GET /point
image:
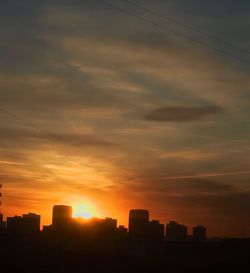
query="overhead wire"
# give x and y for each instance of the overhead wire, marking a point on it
(187, 26)
(175, 32)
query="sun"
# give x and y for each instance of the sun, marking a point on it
(83, 211)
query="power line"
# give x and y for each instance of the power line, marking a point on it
(187, 26)
(175, 32)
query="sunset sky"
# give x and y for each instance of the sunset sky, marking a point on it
(111, 107)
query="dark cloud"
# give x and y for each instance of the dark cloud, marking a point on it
(8, 135)
(183, 113)
(190, 186)
(76, 140)
(209, 186)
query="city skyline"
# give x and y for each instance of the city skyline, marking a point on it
(108, 105)
(140, 225)
(100, 244)
(76, 217)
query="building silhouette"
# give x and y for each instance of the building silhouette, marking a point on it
(140, 226)
(2, 223)
(156, 230)
(122, 230)
(31, 222)
(199, 233)
(61, 216)
(103, 226)
(14, 224)
(26, 224)
(138, 222)
(176, 232)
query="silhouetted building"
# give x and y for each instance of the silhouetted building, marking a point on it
(138, 222)
(47, 228)
(28, 223)
(62, 216)
(140, 226)
(199, 233)
(156, 230)
(122, 230)
(14, 224)
(176, 232)
(110, 224)
(2, 223)
(104, 225)
(31, 222)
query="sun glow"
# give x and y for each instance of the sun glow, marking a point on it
(83, 211)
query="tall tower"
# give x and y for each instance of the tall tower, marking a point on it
(199, 233)
(138, 222)
(176, 232)
(1, 215)
(2, 223)
(62, 215)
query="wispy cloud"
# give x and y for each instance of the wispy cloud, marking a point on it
(165, 178)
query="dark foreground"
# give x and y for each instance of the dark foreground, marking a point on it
(45, 253)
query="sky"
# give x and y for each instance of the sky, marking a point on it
(111, 105)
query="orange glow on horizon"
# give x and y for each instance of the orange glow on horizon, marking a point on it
(86, 211)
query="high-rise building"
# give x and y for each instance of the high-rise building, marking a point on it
(138, 222)
(176, 232)
(2, 223)
(140, 226)
(62, 216)
(103, 226)
(156, 230)
(31, 222)
(26, 224)
(109, 224)
(122, 230)
(199, 233)
(14, 224)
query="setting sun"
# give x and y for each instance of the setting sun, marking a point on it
(83, 211)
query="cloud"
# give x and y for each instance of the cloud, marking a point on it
(187, 186)
(190, 155)
(183, 113)
(209, 186)
(70, 139)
